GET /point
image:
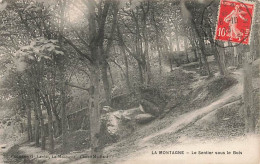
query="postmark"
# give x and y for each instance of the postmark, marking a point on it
(234, 21)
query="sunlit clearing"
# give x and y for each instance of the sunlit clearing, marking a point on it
(74, 14)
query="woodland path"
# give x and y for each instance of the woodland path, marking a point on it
(189, 118)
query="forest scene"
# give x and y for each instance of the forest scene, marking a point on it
(109, 81)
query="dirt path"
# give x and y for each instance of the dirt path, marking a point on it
(184, 120)
(187, 118)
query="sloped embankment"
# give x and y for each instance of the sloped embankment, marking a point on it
(210, 127)
(180, 117)
(188, 118)
(166, 130)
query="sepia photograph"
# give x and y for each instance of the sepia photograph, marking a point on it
(129, 81)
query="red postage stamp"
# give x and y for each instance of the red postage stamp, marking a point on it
(234, 21)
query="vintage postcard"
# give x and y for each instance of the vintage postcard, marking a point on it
(129, 81)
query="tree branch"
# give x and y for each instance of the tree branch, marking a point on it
(77, 49)
(110, 39)
(75, 86)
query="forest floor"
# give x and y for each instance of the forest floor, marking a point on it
(208, 123)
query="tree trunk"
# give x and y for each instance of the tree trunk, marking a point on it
(122, 48)
(58, 122)
(236, 63)
(170, 54)
(157, 41)
(37, 127)
(203, 53)
(217, 56)
(43, 139)
(105, 81)
(64, 122)
(199, 54)
(37, 132)
(158, 50)
(29, 118)
(147, 69)
(249, 110)
(142, 59)
(202, 46)
(204, 56)
(147, 66)
(50, 128)
(200, 60)
(29, 124)
(160, 58)
(177, 39)
(249, 107)
(220, 58)
(94, 110)
(127, 72)
(111, 76)
(186, 50)
(145, 54)
(140, 72)
(144, 72)
(193, 44)
(63, 115)
(218, 53)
